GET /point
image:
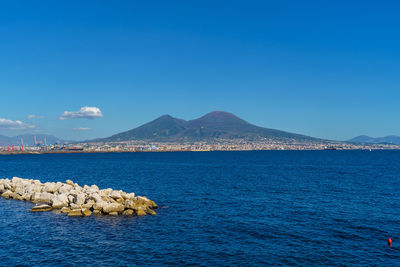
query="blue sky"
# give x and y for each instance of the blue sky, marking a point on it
(325, 69)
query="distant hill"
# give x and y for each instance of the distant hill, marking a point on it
(217, 124)
(29, 139)
(391, 139)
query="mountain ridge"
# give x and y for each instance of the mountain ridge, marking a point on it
(390, 139)
(213, 125)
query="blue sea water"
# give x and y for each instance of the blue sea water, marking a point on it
(307, 208)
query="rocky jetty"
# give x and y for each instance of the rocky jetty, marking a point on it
(71, 198)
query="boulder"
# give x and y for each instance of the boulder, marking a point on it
(96, 197)
(99, 205)
(28, 188)
(140, 212)
(65, 210)
(141, 202)
(105, 192)
(71, 198)
(86, 212)
(96, 211)
(80, 199)
(26, 196)
(69, 182)
(73, 192)
(41, 207)
(116, 195)
(128, 212)
(113, 207)
(95, 188)
(7, 184)
(51, 187)
(65, 189)
(151, 212)
(78, 188)
(59, 201)
(9, 194)
(87, 206)
(75, 213)
(42, 197)
(130, 196)
(16, 180)
(19, 189)
(113, 213)
(74, 206)
(90, 201)
(36, 188)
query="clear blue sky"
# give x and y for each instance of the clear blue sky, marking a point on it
(328, 69)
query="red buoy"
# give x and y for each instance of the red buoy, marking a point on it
(389, 242)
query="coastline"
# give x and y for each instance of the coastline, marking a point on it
(162, 151)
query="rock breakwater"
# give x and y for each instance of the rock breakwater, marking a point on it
(75, 200)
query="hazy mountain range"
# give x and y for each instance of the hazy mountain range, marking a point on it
(217, 124)
(29, 139)
(391, 139)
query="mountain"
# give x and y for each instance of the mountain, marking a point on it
(29, 139)
(391, 139)
(217, 124)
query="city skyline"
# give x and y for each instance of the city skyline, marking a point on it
(83, 71)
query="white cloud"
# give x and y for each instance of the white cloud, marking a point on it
(83, 113)
(14, 125)
(33, 116)
(82, 129)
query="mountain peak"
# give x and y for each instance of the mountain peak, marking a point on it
(165, 117)
(219, 119)
(219, 115)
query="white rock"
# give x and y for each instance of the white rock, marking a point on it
(115, 195)
(65, 188)
(99, 205)
(130, 196)
(113, 207)
(105, 192)
(95, 187)
(26, 196)
(80, 199)
(75, 206)
(8, 194)
(42, 197)
(87, 205)
(19, 189)
(59, 201)
(17, 180)
(71, 198)
(36, 188)
(96, 197)
(7, 184)
(51, 187)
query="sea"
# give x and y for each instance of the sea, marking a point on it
(257, 208)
